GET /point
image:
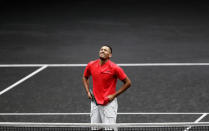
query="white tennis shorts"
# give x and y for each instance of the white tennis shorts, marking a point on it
(104, 114)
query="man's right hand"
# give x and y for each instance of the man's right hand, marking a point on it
(89, 95)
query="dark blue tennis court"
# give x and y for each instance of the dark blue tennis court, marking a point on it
(72, 33)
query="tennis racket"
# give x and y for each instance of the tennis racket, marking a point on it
(93, 98)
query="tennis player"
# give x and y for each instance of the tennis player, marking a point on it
(104, 95)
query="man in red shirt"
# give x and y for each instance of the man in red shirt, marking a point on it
(104, 75)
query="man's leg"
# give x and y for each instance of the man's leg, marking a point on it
(109, 114)
(95, 116)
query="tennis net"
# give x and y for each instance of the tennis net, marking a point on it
(28, 126)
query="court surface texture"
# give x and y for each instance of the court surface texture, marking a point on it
(163, 46)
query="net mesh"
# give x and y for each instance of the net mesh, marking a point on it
(14, 126)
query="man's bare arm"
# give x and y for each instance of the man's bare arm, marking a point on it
(86, 86)
(125, 86)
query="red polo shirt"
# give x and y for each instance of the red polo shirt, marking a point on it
(104, 79)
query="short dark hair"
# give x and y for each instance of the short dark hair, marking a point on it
(108, 47)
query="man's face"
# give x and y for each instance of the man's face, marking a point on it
(105, 53)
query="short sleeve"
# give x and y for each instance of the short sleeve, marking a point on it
(87, 71)
(120, 73)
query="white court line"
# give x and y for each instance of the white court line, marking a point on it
(23, 79)
(119, 113)
(160, 113)
(120, 64)
(46, 124)
(197, 121)
(40, 65)
(201, 117)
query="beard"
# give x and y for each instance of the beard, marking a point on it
(102, 58)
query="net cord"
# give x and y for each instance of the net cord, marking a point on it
(103, 125)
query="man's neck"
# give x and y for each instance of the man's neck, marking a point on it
(103, 61)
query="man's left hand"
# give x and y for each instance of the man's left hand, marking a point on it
(111, 97)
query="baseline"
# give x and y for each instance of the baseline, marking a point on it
(120, 64)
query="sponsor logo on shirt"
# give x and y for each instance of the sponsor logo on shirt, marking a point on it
(108, 72)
